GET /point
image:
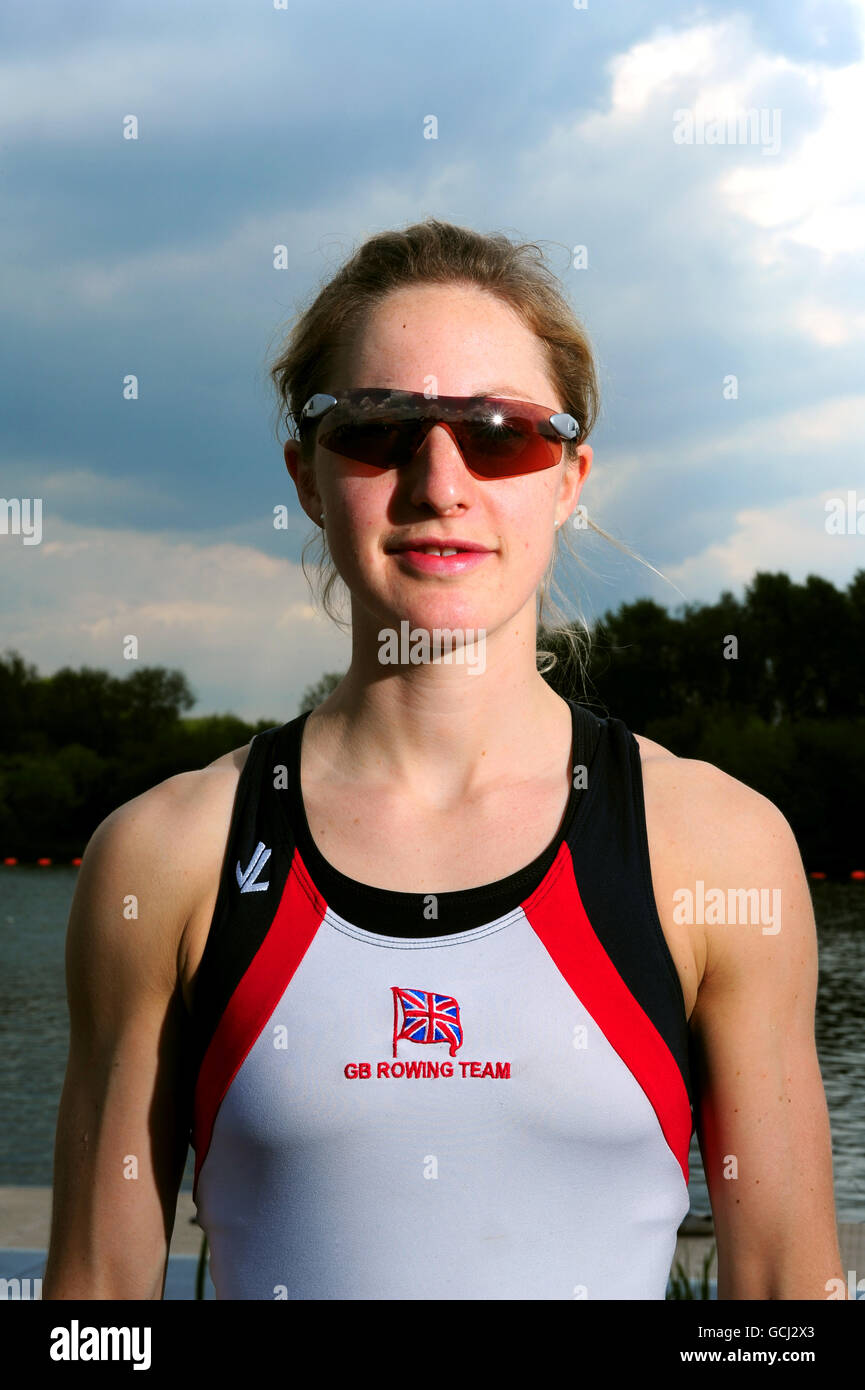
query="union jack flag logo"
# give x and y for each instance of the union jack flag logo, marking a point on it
(426, 1018)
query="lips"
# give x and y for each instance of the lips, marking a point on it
(439, 558)
(433, 545)
(441, 551)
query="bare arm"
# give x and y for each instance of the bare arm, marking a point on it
(762, 1120)
(123, 1121)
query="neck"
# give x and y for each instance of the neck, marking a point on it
(441, 729)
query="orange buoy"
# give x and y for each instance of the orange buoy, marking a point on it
(858, 875)
(43, 862)
(10, 861)
(76, 862)
(816, 873)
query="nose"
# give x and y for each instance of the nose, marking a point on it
(437, 474)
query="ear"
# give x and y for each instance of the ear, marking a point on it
(572, 483)
(303, 477)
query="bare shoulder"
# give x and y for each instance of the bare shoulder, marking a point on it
(698, 798)
(165, 848)
(176, 817)
(710, 833)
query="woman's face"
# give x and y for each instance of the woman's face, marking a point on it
(447, 340)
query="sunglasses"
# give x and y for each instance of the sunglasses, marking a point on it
(497, 438)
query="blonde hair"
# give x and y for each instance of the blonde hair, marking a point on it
(434, 252)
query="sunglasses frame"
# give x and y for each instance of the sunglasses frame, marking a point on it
(557, 425)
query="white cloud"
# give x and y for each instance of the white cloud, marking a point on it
(793, 443)
(814, 194)
(793, 213)
(815, 197)
(827, 325)
(658, 65)
(791, 536)
(241, 624)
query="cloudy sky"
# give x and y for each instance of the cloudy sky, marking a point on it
(302, 124)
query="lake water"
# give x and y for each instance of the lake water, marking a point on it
(34, 906)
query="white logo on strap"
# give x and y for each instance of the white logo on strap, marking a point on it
(248, 878)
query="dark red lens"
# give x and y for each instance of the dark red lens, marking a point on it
(497, 438)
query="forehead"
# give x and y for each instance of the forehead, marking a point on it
(455, 339)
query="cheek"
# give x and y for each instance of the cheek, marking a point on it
(538, 551)
(528, 522)
(359, 515)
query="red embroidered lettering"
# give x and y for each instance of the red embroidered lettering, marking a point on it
(415, 1069)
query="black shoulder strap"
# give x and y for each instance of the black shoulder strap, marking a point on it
(611, 863)
(254, 869)
(587, 734)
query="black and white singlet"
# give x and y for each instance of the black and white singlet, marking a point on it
(481, 1094)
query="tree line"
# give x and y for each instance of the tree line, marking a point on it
(770, 688)
(781, 708)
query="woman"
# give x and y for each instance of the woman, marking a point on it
(412, 968)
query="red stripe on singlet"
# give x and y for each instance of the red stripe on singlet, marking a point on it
(558, 917)
(269, 973)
